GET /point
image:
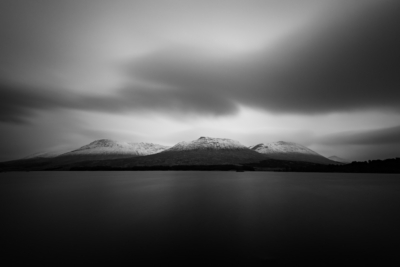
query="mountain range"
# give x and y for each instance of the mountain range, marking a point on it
(202, 151)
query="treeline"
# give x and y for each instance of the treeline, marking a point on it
(370, 166)
(168, 168)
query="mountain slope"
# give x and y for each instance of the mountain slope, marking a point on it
(44, 155)
(51, 153)
(290, 151)
(103, 149)
(109, 149)
(338, 159)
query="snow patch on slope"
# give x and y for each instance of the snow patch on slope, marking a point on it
(290, 151)
(208, 143)
(111, 147)
(283, 147)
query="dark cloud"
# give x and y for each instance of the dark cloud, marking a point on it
(19, 101)
(361, 145)
(349, 61)
(385, 136)
(172, 101)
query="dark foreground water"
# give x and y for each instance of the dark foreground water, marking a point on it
(221, 218)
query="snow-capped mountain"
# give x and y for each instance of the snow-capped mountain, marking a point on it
(106, 148)
(98, 150)
(290, 151)
(338, 159)
(203, 151)
(208, 143)
(282, 147)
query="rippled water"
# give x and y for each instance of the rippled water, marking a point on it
(250, 218)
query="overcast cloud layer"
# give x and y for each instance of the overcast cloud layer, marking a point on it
(200, 59)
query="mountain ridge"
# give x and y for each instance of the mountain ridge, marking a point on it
(208, 143)
(201, 151)
(110, 147)
(283, 150)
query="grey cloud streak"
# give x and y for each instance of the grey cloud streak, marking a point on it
(363, 145)
(385, 136)
(342, 63)
(18, 102)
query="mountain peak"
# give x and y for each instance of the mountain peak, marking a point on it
(290, 151)
(204, 138)
(208, 143)
(103, 142)
(287, 143)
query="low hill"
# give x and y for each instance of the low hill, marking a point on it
(338, 159)
(290, 151)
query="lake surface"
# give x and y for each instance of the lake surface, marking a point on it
(250, 218)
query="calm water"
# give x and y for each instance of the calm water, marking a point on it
(260, 218)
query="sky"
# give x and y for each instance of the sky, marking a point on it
(325, 74)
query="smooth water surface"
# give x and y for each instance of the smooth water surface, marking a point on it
(263, 218)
